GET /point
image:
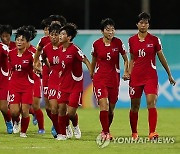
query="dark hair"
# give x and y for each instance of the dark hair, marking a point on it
(55, 27)
(33, 31)
(59, 18)
(71, 30)
(45, 23)
(6, 28)
(105, 22)
(143, 16)
(24, 32)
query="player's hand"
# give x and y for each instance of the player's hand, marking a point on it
(126, 76)
(172, 81)
(37, 67)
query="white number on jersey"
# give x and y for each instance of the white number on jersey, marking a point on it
(108, 56)
(18, 68)
(55, 60)
(141, 53)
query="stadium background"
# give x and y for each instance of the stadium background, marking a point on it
(87, 14)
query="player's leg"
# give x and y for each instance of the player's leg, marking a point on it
(135, 95)
(38, 114)
(151, 90)
(101, 95)
(7, 115)
(25, 119)
(5, 110)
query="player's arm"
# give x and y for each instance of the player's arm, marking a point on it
(37, 64)
(126, 65)
(164, 63)
(131, 63)
(93, 65)
(88, 64)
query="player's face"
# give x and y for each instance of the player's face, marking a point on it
(21, 42)
(5, 38)
(143, 25)
(54, 37)
(63, 37)
(46, 31)
(109, 32)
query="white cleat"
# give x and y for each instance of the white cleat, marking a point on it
(61, 137)
(16, 127)
(23, 135)
(69, 132)
(77, 132)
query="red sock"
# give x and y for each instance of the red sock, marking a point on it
(54, 118)
(74, 120)
(48, 113)
(104, 119)
(62, 124)
(40, 118)
(7, 116)
(111, 116)
(31, 111)
(152, 117)
(67, 120)
(133, 121)
(24, 124)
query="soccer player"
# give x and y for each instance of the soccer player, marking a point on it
(71, 80)
(4, 87)
(143, 48)
(51, 52)
(5, 35)
(38, 116)
(45, 70)
(105, 73)
(21, 83)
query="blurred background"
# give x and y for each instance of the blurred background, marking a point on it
(87, 14)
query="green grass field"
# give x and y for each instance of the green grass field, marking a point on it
(168, 126)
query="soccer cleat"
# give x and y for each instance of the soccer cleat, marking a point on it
(69, 132)
(135, 136)
(16, 127)
(153, 136)
(23, 135)
(34, 120)
(61, 137)
(77, 132)
(53, 132)
(9, 127)
(105, 136)
(41, 131)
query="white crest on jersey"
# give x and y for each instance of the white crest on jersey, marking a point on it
(152, 65)
(30, 80)
(77, 78)
(4, 73)
(5, 47)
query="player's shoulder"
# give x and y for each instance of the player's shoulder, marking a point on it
(74, 47)
(98, 41)
(151, 36)
(133, 37)
(116, 40)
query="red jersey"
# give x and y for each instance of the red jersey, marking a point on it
(144, 53)
(22, 71)
(45, 72)
(3, 65)
(52, 53)
(44, 41)
(71, 79)
(36, 77)
(107, 62)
